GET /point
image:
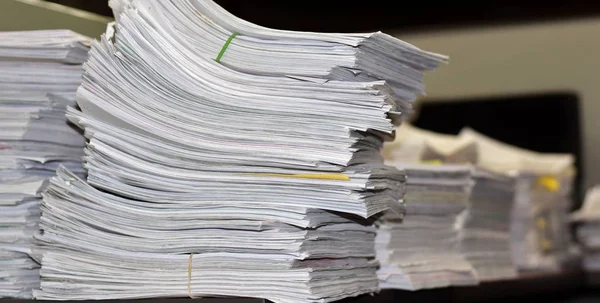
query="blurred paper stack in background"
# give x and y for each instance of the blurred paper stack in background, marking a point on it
(540, 231)
(587, 220)
(422, 250)
(41, 71)
(485, 240)
(540, 236)
(517, 192)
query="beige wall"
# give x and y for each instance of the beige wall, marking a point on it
(559, 56)
(35, 14)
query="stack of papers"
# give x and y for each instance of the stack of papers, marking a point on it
(227, 159)
(485, 239)
(204, 26)
(539, 227)
(587, 219)
(41, 71)
(540, 235)
(422, 250)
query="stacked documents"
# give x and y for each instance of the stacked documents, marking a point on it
(588, 229)
(486, 234)
(227, 159)
(540, 235)
(422, 250)
(41, 71)
(486, 237)
(204, 27)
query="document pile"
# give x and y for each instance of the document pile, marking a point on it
(244, 170)
(588, 229)
(539, 233)
(422, 250)
(41, 71)
(486, 236)
(540, 236)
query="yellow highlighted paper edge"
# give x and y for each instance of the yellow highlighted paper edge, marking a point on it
(549, 182)
(433, 162)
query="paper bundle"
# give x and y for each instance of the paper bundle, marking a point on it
(422, 250)
(540, 235)
(308, 56)
(41, 71)
(587, 219)
(227, 159)
(485, 239)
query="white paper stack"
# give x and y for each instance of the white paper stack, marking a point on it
(485, 239)
(422, 250)
(587, 219)
(41, 71)
(224, 165)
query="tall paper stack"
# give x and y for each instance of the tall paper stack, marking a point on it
(227, 159)
(422, 250)
(41, 71)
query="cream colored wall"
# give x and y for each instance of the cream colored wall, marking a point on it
(35, 14)
(560, 56)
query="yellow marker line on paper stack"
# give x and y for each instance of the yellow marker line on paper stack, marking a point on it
(433, 162)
